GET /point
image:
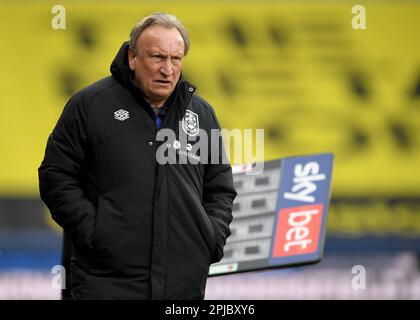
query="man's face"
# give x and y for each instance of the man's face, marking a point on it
(157, 62)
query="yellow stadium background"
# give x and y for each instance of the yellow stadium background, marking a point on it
(296, 69)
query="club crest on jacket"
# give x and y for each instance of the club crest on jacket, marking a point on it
(190, 123)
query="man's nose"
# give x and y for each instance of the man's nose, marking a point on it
(166, 68)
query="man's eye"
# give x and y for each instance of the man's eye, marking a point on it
(176, 59)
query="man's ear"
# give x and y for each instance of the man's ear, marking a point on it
(131, 56)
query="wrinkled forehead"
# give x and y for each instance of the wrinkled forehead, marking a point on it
(162, 39)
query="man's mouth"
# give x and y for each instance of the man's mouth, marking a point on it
(163, 81)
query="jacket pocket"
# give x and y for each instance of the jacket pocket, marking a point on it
(210, 235)
(97, 227)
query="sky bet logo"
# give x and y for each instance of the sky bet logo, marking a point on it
(302, 208)
(304, 182)
(298, 230)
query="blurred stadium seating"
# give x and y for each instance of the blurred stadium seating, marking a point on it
(295, 68)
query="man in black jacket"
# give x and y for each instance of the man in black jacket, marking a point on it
(134, 227)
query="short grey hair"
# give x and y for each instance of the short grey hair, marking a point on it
(162, 19)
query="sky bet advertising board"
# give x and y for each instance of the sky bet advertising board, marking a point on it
(279, 215)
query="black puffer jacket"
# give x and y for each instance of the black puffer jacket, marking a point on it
(134, 229)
